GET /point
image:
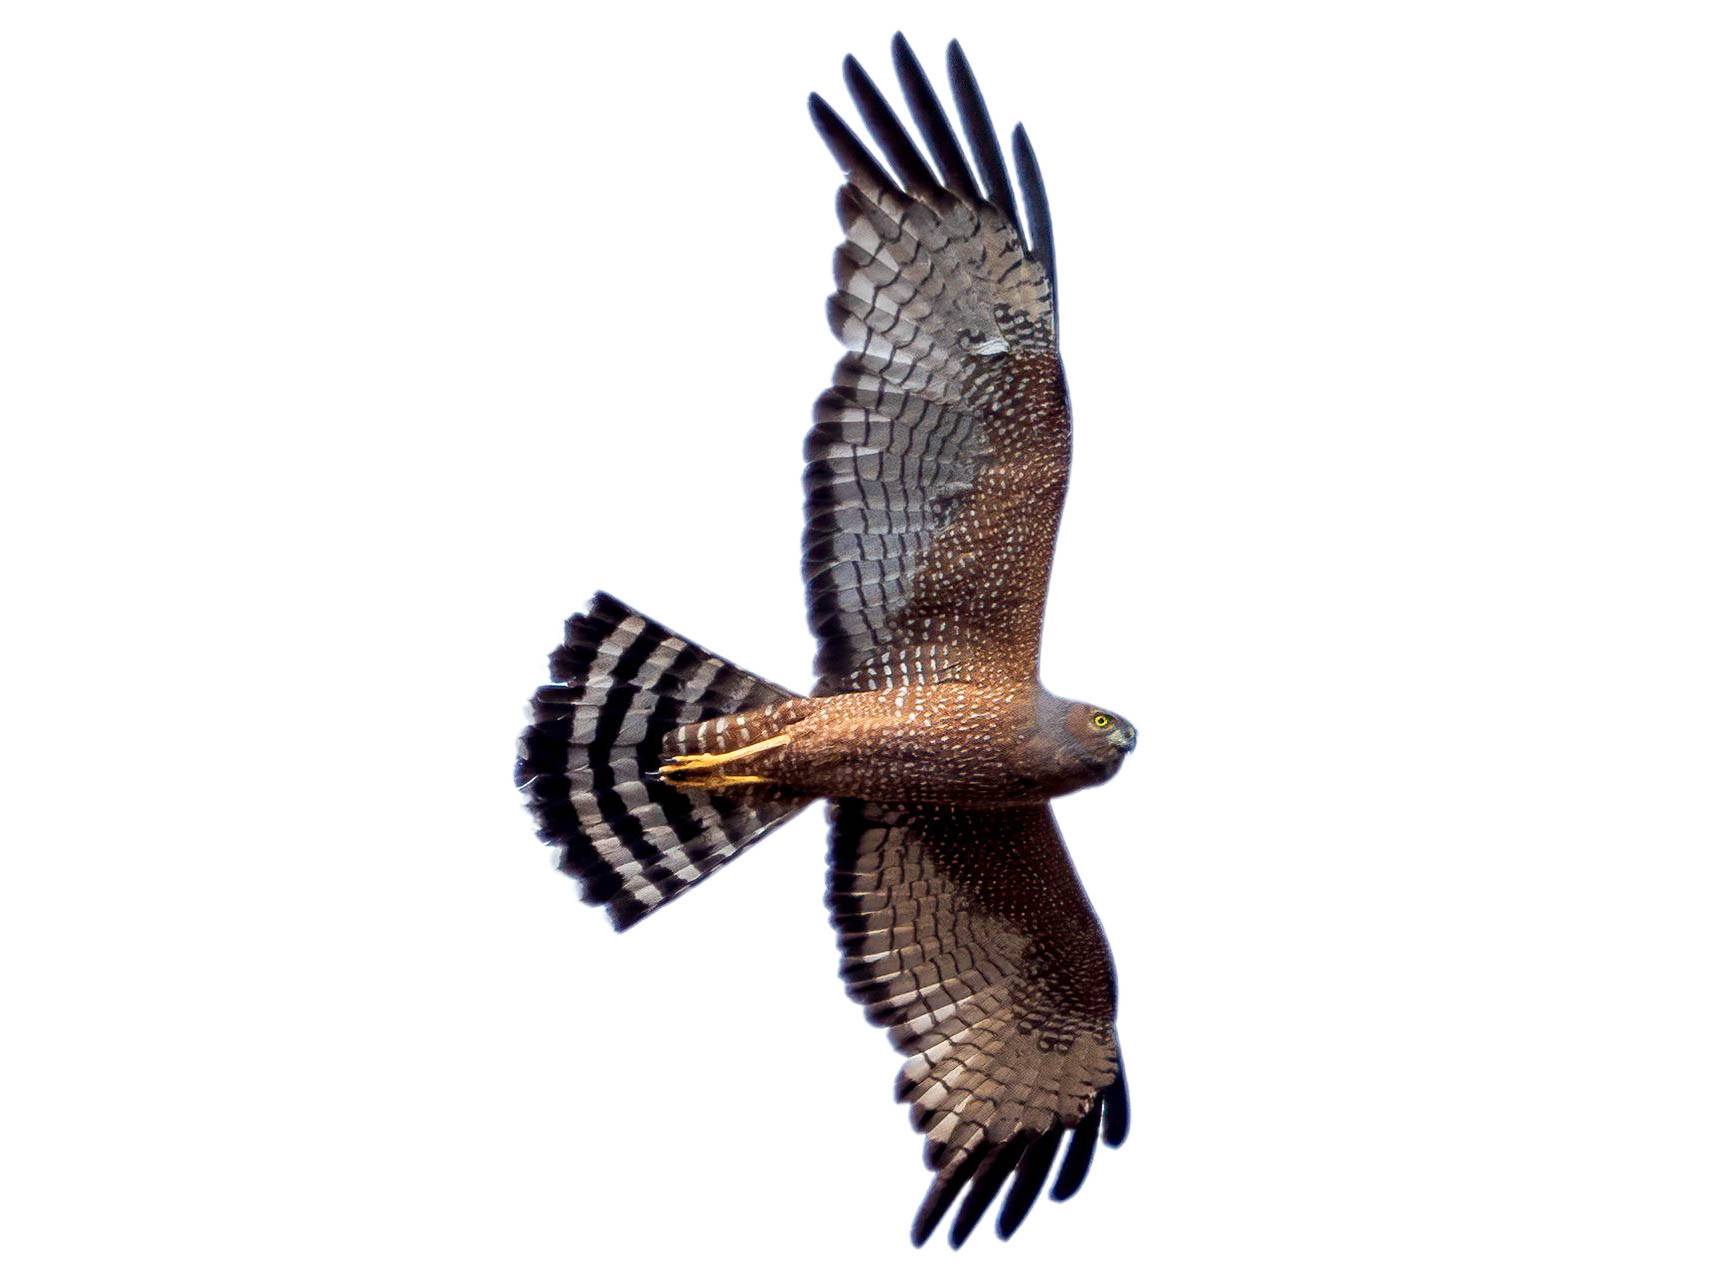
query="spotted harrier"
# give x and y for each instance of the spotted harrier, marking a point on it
(937, 466)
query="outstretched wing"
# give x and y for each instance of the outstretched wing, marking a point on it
(938, 462)
(967, 933)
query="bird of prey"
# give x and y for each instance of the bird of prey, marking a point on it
(936, 469)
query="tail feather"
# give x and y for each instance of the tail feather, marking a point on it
(587, 763)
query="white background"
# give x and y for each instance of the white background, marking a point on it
(348, 348)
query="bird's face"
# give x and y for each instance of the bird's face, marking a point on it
(1097, 739)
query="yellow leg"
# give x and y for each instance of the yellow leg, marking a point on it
(717, 781)
(702, 770)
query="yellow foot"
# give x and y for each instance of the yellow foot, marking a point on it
(704, 772)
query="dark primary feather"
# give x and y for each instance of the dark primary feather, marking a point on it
(853, 156)
(986, 1183)
(890, 135)
(932, 122)
(975, 120)
(1116, 1111)
(1077, 1161)
(943, 1191)
(1037, 211)
(1028, 1180)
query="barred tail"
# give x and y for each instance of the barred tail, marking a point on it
(587, 763)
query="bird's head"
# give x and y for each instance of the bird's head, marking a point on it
(1092, 742)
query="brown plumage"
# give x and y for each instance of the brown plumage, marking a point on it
(937, 466)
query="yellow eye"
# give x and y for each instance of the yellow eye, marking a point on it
(1101, 721)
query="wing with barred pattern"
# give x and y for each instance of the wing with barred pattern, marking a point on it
(938, 462)
(967, 933)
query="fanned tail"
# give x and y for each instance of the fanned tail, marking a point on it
(588, 762)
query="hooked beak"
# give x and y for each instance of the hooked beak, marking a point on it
(1126, 737)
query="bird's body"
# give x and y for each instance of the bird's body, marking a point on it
(936, 470)
(981, 745)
